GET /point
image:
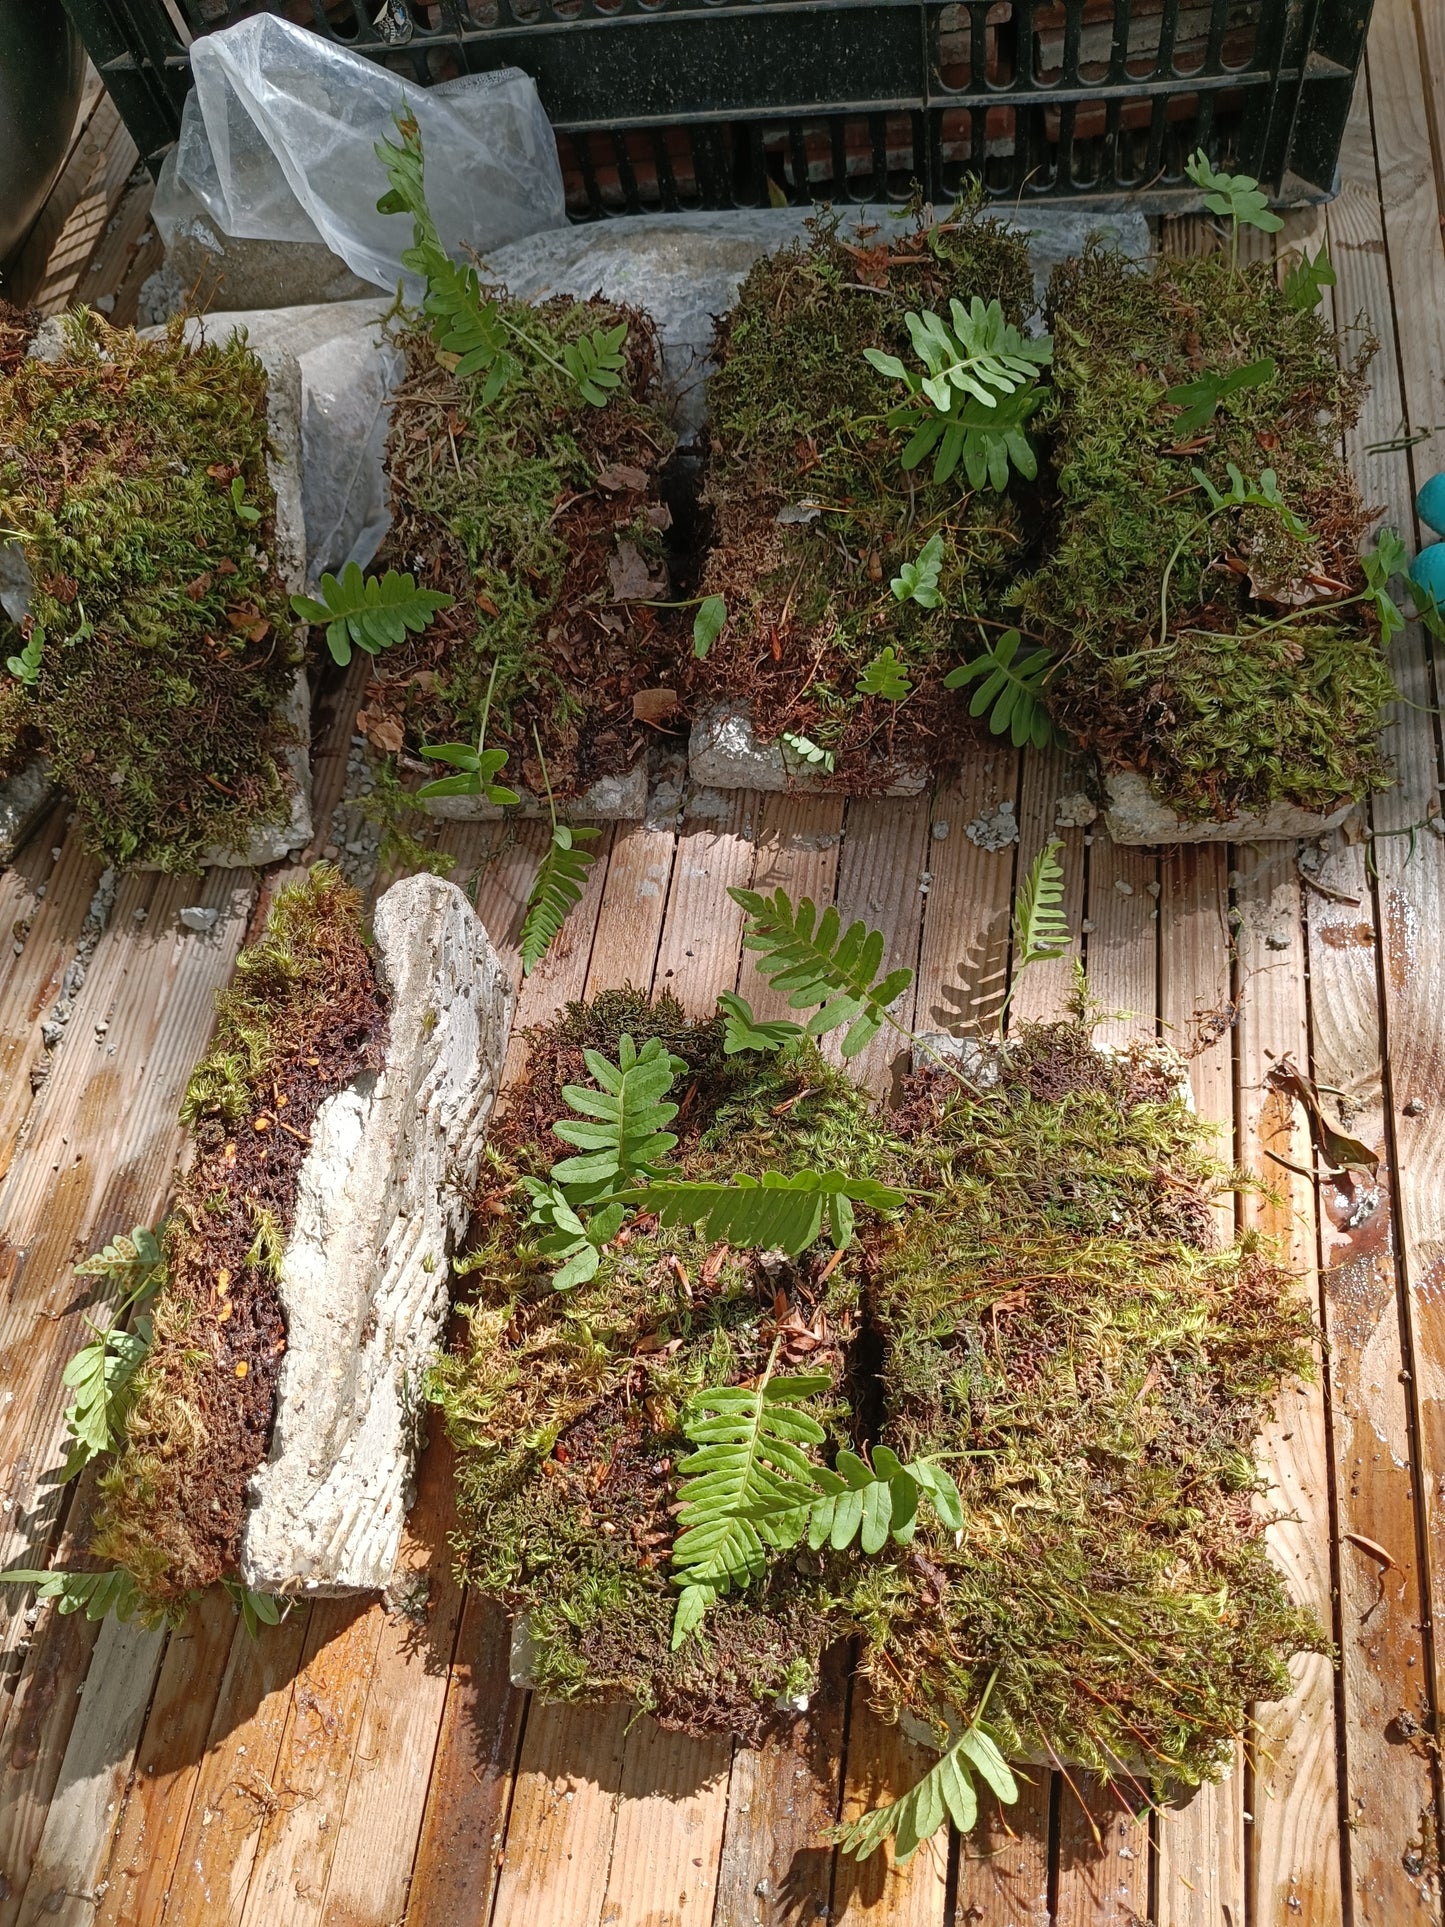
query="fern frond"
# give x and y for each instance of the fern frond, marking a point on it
(596, 362)
(772, 1212)
(806, 755)
(742, 1031)
(885, 675)
(748, 1488)
(556, 888)
(369, 611)
(874, 1503)
(946, 1792)
(805, 956)
(1010, 689)
(464, 322)
(621, 1127)
(99, 1593)
(1041, 929)
(100, 1375)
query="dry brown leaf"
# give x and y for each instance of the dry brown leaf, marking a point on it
(621, 475)
(631, 578)
(653, 705)
(1336, 1151)
(1371, 1546)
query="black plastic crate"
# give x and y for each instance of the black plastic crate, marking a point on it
(735, 103)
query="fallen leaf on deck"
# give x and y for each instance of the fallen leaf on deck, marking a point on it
(1332, 1147)
(382, 732)
(1372, 1546)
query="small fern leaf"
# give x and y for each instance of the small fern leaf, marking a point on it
(772, 1212)
(98, 1593)
(1010, 689)
(742, 1031)
(946, 1792)
(747, 1490)
(596, 363)
(885, 676)
(621, 1126)
(805, 956)
(556, 888)
(370, 612)
(1041, 929)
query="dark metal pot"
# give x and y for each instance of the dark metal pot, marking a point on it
(42, 70)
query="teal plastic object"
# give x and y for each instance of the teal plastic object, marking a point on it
(1427, 572)
(1430, 503)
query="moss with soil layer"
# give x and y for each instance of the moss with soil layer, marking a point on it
(301, 1018)
(1264, 681)
(1056, 1324)
(798, 417)
(1062, 1326)
(542, 516)
(168, 646)
(565, 1408)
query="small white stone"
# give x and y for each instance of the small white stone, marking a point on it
(1123, 886)
(199, 916)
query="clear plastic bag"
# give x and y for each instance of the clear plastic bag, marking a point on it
(278, 137)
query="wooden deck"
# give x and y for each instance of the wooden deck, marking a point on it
(358, 1770)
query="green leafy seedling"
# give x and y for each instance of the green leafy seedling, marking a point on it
(707, 624)
(918, 580)
(1010, 689)
(556, 888)
(1388, 559)
(818, 963)
(946, 1792)
(1238, 197)
(26, 666)
(245, 512)
(369, 612)
(885, 676)
(475, 769)
(1200, 399)
(1307, 280)
(596, 363)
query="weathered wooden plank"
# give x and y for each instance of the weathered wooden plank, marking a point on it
(236, 1788)
(1293, 1841)
(634, 902)
(776, 1864)
(1201, 1844)
(1103, 1877)
(881, 880)
(313, 1770)
(376, 1842)
(96, 125)
(83, 1806)
(461, 1848)
(703, 926)
(963, 959)
(672, 1802)
(783, 1795)
(86, 224)
(34, 964)
(1003, 1865)
(564, 1815)
(167, 1767)
(1121, 938)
